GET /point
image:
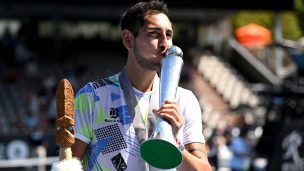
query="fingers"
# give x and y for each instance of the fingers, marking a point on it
(170, 111)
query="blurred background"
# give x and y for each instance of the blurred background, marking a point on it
(244, 60)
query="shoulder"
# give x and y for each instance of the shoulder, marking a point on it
(184, 93)
(187, 99)
(100, 86)
(100, 83)
(105, 82)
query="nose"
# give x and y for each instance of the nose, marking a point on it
(164, 43)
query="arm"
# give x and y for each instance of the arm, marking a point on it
(79, 148)
(195, 158)
(84, 107)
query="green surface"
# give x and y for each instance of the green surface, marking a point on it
(161, 154)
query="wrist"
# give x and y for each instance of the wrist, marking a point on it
(180, 146)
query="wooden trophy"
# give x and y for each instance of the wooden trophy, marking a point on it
(65, 128)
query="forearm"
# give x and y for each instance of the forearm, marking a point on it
(79, 148)
(191, 162)
(195, 158)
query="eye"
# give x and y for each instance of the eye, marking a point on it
(154, 34)
(169, 35)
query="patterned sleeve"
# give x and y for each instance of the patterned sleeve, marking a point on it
(193, 128)
(84, 109)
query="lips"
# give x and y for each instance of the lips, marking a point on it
(163, 54)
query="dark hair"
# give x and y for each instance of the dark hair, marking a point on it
(135, 16)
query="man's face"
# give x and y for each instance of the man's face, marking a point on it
(152, 41)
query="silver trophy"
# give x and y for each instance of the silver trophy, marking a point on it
(160, 150)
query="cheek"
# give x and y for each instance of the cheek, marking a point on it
(170, 43)
(146, 46)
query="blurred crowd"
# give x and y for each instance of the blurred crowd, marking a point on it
(28, 86)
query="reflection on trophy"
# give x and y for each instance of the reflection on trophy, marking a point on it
(160, 149)
(64, 128)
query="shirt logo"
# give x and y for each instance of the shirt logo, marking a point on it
(114, 113)
(119, 115)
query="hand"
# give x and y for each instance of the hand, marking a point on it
(170, 112)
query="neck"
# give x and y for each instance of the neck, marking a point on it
(140, 78)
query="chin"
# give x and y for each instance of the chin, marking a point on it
(153, 67)
(156, 69)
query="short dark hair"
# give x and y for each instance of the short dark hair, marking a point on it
(134, 17)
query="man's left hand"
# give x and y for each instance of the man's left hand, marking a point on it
(170, 112)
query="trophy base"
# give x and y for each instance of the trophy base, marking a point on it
(161, 154)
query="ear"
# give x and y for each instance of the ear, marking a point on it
(127, 39)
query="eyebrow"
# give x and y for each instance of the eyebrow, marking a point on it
(158, 29)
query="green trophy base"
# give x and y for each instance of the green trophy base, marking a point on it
(161, 154)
